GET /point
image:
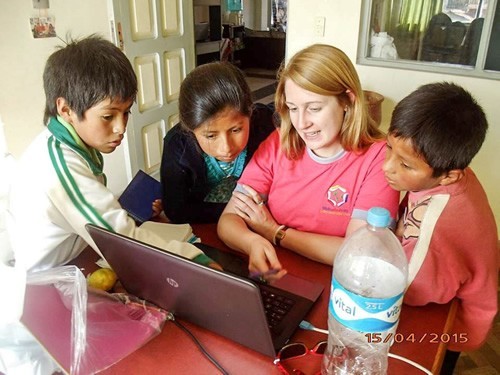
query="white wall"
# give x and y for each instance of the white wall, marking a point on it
(342, 29)
(22, 60)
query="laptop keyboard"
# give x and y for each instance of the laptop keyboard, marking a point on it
(276, 307)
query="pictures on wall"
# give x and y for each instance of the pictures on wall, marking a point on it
(43, 27)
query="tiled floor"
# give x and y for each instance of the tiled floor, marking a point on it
(263, 73)
(486, 360)
(262, 83)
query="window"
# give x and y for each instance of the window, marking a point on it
(279, 14)
(451, 36)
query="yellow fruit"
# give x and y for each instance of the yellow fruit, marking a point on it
(103, 279)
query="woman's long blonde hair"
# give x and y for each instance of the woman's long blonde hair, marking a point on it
(326, 70)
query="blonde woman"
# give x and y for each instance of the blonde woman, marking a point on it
(312, 182)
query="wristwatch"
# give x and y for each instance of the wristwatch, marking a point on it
(280, 234)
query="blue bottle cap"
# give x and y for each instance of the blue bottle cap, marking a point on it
(378, 217)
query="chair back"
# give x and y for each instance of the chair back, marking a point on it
(471, 42)
(435, 36)
(455, 35)
(443, 40)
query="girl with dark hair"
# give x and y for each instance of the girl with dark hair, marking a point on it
(219, 130)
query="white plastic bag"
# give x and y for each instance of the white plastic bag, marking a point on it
(382, 46)
(20, 353)
(84, 329)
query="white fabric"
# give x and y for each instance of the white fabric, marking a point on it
(436, 206)
(48, 228)
(7, 165)
(382, 46)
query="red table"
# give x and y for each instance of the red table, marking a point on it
(420, 331)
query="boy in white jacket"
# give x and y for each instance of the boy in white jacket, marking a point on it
(59, 185)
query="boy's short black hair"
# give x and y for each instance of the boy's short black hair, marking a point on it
(85, 72)
(444, 123)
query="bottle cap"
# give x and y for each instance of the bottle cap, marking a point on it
(378, 217)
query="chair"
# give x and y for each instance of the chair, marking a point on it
(435, 37)
(455, 35)
(443, 40)
(406, 41)
(471, 42)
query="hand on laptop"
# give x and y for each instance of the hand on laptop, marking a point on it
(263, 261)
(215, 266)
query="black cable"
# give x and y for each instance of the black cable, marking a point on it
(198, 344)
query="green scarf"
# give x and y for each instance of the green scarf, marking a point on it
(222, 177)
(65, 133)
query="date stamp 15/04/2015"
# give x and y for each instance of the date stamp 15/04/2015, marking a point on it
(433, 338)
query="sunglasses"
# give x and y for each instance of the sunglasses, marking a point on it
(289, 358)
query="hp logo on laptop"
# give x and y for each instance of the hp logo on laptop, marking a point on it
(172, 282)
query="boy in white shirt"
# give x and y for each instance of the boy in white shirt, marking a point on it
(59, 185)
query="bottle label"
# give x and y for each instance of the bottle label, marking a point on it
(364, 314)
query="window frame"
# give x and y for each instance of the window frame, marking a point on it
(477, 71)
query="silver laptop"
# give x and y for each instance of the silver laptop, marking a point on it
(259, 316)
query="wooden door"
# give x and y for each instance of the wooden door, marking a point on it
(158, 38)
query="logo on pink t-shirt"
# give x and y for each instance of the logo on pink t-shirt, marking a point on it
(337, 195)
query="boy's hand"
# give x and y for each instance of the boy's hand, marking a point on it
(118, 288)
(400, 228)
(157, 207)
(215, 266)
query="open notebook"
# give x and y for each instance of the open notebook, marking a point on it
(259, 316)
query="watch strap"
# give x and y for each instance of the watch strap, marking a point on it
(279, 235)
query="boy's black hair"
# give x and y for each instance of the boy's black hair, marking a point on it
(444, 123)
(85, 72)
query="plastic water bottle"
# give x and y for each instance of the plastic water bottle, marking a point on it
(369, 278)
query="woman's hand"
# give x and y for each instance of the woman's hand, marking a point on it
(247, 225)
(263, 261)
(252, 209)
